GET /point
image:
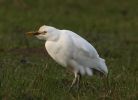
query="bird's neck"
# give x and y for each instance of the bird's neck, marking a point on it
(54, 36)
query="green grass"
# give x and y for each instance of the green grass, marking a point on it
(28, 73)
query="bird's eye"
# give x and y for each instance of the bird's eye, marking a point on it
(45, 32)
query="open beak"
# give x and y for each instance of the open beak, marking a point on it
(33, 33)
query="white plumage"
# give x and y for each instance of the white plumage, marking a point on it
(70, 50)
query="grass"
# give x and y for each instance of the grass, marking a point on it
(28, 73)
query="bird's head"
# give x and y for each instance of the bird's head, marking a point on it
(44, 32)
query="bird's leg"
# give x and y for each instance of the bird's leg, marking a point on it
(78, 81)
(74, 81)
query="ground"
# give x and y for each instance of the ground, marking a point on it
(28, 73)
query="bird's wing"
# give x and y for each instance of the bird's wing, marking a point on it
(86, 55)
(82, 46)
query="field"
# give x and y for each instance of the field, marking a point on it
(27, 72)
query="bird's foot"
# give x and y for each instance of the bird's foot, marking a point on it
(76, 81)
(73, 83)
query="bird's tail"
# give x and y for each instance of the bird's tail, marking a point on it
(103, 66)
(100, 65)
(92, 63)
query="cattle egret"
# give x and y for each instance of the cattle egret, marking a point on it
(71, 51)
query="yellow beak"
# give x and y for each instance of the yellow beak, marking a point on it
(33, 33)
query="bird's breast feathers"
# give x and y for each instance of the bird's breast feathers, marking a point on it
(60, 50)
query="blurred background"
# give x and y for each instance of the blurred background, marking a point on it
(28, 73)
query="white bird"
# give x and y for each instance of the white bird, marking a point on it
(71, 51)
